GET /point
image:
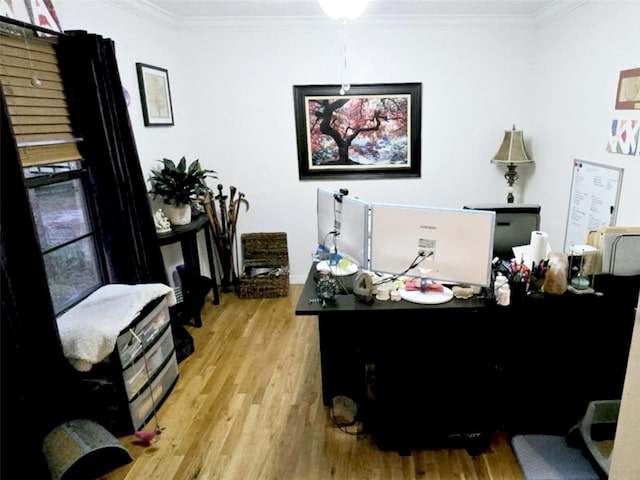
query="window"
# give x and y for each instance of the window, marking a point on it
(66, 232)
(56, 178)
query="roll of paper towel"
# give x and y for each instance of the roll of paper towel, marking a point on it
(538, 246)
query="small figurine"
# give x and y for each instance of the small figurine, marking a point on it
(327, 288)
(162, 222)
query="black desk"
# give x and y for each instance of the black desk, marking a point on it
(556, 354)
(450, 374)
(432, 365)
(194, 286)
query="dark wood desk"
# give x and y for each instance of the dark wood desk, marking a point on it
(556, 354)
(194, 286)
(450, 374)
(423, 375)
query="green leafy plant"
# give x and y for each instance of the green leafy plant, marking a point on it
(180, 184)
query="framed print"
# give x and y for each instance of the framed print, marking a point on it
(155, 95)
(373, 131)
(628, 96)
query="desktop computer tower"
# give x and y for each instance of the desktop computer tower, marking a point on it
(514, 224)
(434, 381)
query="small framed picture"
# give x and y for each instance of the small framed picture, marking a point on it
(628, 97)
(155, 95)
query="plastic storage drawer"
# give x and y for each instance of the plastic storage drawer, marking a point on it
(150, 399)
(138, 375)
(147, 330)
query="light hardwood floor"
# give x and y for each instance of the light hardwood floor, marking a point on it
(247, 405)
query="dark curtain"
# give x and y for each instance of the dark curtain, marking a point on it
(97, 105)
(37, 379)
(38, 383)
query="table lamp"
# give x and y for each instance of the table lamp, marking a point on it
(512, 153)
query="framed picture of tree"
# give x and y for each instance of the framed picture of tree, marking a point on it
(155, 95)
(372, 131)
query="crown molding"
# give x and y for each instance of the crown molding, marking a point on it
(143, 9)
(557, 9)
(151, 12)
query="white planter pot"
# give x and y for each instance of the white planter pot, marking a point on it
(178, 215)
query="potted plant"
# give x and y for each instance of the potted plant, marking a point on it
(180, 186)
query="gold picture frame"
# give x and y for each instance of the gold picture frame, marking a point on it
(628, 95)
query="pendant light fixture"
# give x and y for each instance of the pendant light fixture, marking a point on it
(343, 11)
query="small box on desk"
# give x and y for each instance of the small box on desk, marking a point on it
(265, 265)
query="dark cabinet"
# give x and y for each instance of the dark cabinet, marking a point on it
(556, 354)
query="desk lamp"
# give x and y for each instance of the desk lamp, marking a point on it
(512, 153)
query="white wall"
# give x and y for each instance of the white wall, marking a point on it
(233, 105)
(578, 61)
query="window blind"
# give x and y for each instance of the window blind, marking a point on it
(35, 98)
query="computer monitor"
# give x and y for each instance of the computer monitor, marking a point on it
(455, 245)
(327, 217)
(343, 225)
(514, 224)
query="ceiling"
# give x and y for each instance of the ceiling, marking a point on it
(534, 11)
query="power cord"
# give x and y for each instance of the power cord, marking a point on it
(416, 261)
(344, 427)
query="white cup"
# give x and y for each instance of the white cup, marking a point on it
(382, 292)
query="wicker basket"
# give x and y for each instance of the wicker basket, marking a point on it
(264, 251)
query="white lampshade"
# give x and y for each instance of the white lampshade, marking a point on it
(343, 9)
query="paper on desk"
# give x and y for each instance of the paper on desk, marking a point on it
(530, 253)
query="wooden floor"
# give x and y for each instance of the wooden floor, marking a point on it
(247, 405)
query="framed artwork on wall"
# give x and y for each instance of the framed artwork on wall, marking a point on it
(628, 96)
(372, 131)
(155, 95)
(41, 13)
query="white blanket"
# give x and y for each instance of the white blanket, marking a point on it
(89, 330)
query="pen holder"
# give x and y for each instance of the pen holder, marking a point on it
(518, 292)
(536, 283)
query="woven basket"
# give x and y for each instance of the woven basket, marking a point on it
(264, 251)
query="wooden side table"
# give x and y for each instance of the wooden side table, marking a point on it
(195, 287)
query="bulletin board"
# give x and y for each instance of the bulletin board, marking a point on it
(593, 201)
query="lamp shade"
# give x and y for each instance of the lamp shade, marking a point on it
(343, 9)
(512, 148)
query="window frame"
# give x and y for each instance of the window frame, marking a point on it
(81, 174)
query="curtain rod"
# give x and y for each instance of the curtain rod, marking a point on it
(29, 26)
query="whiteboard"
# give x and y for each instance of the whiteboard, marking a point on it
(593, 201)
